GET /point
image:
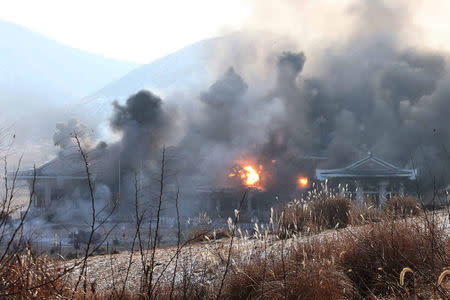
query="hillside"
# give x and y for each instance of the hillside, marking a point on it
(35, 70)
(185, 69)
(39, 80)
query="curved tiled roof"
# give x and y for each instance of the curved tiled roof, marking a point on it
(369, 166)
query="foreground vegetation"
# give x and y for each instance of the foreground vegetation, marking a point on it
(325, 246)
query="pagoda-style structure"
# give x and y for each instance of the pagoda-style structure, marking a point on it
(369, 178)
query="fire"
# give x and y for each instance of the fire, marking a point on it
(251, 176)
(248, 174)
(303, 182)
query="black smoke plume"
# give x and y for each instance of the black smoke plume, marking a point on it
(369, 92)
(144, 126)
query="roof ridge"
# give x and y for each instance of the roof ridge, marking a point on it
(371, 157)
(357, 163)
(383, 162)
(351, 170)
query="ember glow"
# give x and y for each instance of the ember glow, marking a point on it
(247, 174)
(303, 182)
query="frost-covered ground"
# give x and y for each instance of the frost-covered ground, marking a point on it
(202, 263)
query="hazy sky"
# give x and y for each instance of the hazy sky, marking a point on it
(143, 30)
(134, 30)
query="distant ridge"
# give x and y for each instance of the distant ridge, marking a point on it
(184, 69)
(37, 69)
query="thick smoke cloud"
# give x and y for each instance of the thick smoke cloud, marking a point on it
(65, 133)
(144, 125)
(373, 93)
(372, 90)
(221, 105)
(215, 134)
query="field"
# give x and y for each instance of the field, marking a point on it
(331, 248)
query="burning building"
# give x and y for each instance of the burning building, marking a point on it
(239, 137)
(369, 178)
(60, 189)
(51, 186)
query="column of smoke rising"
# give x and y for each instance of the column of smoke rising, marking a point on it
(321, 116)
(370, 92)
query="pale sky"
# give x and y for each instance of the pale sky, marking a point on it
(144, 30)
(133, 30)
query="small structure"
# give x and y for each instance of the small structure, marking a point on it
(370, 177)
(51, 185)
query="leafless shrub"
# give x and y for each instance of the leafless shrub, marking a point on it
(375, 256)
(310, 271)
(325, 212)
(233, 228)
(295, 217)
(94, 225)
(204, 234)
(402, 206)
(201, 228)
(365, 213)
(28, 276)
(22, 273)
(331, 212)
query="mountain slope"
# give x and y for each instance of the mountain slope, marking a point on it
(193, 68)
(40, 80)
(185, 69)
(34, 69)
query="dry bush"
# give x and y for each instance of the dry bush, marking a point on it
(375, 256)
(245, 280)
(220, 233)
(362, 214)
(295, 217)
(366, 262)
(307, 272)
(324, 212)
(402, 206)
(331, 212)
(198, 234)
(204, 234)
(30, 276)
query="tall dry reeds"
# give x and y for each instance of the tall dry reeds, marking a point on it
(396, 252)
(402, 206)
(313, 216)
(309, 271)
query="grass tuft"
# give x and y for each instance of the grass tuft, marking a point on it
(402, 206)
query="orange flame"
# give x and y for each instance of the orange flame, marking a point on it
(303, 182)
(248, 174)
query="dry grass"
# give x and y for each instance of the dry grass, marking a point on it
(361, 263)
(402, 206)
(322, 213)
(388, 258)
(295, 217)
(375, 257)
(308, 271)
(205, 234)
(365, 213)
(331, 212)
(28, 276)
